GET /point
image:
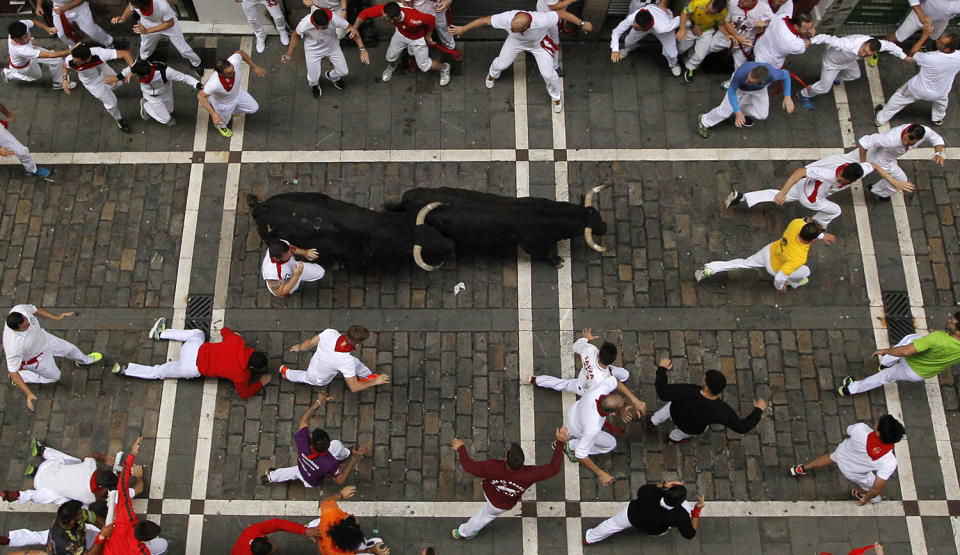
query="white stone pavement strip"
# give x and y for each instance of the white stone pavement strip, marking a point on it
(908, 489)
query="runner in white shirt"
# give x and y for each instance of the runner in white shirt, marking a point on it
(158, 19)
(745, 20)
(275, 10)
(26, 58)
(68, 15)
(585, 420)
(283, 273)
(932, 83)
(10, 146)
(31, 351)
(527, 32)
(841, 59)
(332, 357)
(438, 9)
(596, 364)
(156, 83)
(655, 19)
(814, 183)
(936, 13)
(338, 7)
(783, 37)
(223, 95)
(781, 8)
(91, 65)
(866, 458)
(320, 31)
(883, 150)
(554, 32)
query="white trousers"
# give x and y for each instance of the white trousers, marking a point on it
(33, 73)
(545, 63)
(319, 374)
(314, 59)
(911, 24)
(7, 140)
(604, 443)
(442, 27)
(560, 384)
(903, 98)
(829, 74)
(311, 271)
(253, 16)
(81, 17)
(617, 523)
(46, 370)
(480, 519)
(897, 371)
(245, 104)
(702, 45)
(185, 367)
(418, 48)
(826, 211)
(24, 537)
(159, 106)
(103, 93)
(662, 416)
(883, 188)
(290, 473)
(40, 494)
(759, 259)
(755, 104)
(668, 43)
(148, 43)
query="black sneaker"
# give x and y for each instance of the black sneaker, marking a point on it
(199, 70)
(338, 84)
(122, 125)
(688, 76)
(315, 90)
(265, 478)
(747, 121)
(844, 390)
(734, 198)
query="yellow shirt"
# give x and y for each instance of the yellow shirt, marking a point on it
(698, 16)
(789, 253)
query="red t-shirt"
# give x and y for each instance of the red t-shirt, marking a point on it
(414, 24)
(503, 486)
(242, 547)
(228, 359)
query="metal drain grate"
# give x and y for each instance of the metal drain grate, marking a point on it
(896, 311)
(199, 313)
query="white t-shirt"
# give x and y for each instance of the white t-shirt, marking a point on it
(219, 95)
(745, 22)
(662, 23)
(785, 10)
(584, 421)
(935, 79)
(590, 371)
(844, 51)
(883, 149)
(22, 54)
(540, 23)
(333, 357)
(92, 73)
(851, 455)
(821, 180)
(778, 42)
(544, 5)
(333, 5)
(321, 40)
(22, 346)
(277, 271)
(161, 13)
(67, 479)
(938, 10)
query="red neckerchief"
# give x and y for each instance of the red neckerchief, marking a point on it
(877, 448)
(68, 28)
(93, 483)
(343, 346)
(149, 11)
(792, 28)
(227, 83)
(4, 123)
(94, 62)
(329, 18)
(313, 454)
(600, 410)
(148, 78)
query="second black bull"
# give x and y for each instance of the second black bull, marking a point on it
(430, 224)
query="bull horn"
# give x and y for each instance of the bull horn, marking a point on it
(417, 249)
(588, 231)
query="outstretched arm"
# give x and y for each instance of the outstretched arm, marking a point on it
(458, 30)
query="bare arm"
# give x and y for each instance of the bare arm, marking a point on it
(22, 386)
(636, 402)
(569, 17)
(863, 154)
(356, 386)
(306, 345)
(140, 29)
(875, 490)
(347, 468)
(125, 56)
(322, 398)
(903, 351)
(797, 175)
(459, 30)
(127, 12)
(259, 71)
(605, 479)
(562, 5)
(898, 184)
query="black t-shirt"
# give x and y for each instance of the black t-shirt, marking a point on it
(647, 514)
(67, 542)
(692, 412)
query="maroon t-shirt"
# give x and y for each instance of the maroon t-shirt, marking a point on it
(503, 486)
(314, 466)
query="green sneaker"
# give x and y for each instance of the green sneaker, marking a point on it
(844, 390)
(97, 357)
(225, 131)
(570, 454)
(703, 130)
(872, 60)
(455, 533)
(36, 448)
(30, 470)
(802, 282)
(118, 369)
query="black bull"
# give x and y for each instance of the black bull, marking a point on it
(456, 220)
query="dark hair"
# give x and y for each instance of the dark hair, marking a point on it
(99, 508)
(257, 363)
(276, 247)
(719, 5)
(810, 231)
(643, 19)
(17, 29)
(346, 535)
(320, 18)
(675, 496)
(889, 429)
(429, 551)
(852, 172)
(106, 479)
(760, 73)
(953, 42)
(515, 458)
(608, 353)
(800, 18)
(357, 334)
(146, 530)
(916, 132)
(319, 440)
(715, 381)
(392, 9)
(142, 4)
(81, 52)
(261, 545)
(15, 320)
(874, 45)
(141, 68)
(69, 511)
(221, 65)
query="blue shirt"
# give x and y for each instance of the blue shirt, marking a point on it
(739, 81)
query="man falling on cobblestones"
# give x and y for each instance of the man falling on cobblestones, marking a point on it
(156, 19)
(319, 31)
(657, 509)
(652, 18)
(932, 83)
(90, 65)
(841, 59)
(26, 58)
(784, 259)
(866, 458)
(156, 84)
(883, 149)
(332, 358)
(127, 535)
(915, 358)
(319, 456)
(283, 273)
(747, 98)
(527, 32)
(254, 540)
(10, 146)
(694, 407)
(504, 481)
(230, 359)
(340, 533)
(31, 351)
(92, 520)
(222, 96)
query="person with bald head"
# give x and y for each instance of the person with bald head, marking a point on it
(527, 32)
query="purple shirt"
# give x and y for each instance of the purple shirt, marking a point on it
(314, 466)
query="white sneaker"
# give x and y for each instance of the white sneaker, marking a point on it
(388, 73)
(261, 43)
(445, 75)
(558, 106)
(624, 53)
(676, 71)
(490, 82)
(284, 37)
(725, 84)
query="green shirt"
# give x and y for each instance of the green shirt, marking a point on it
(936, 352)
